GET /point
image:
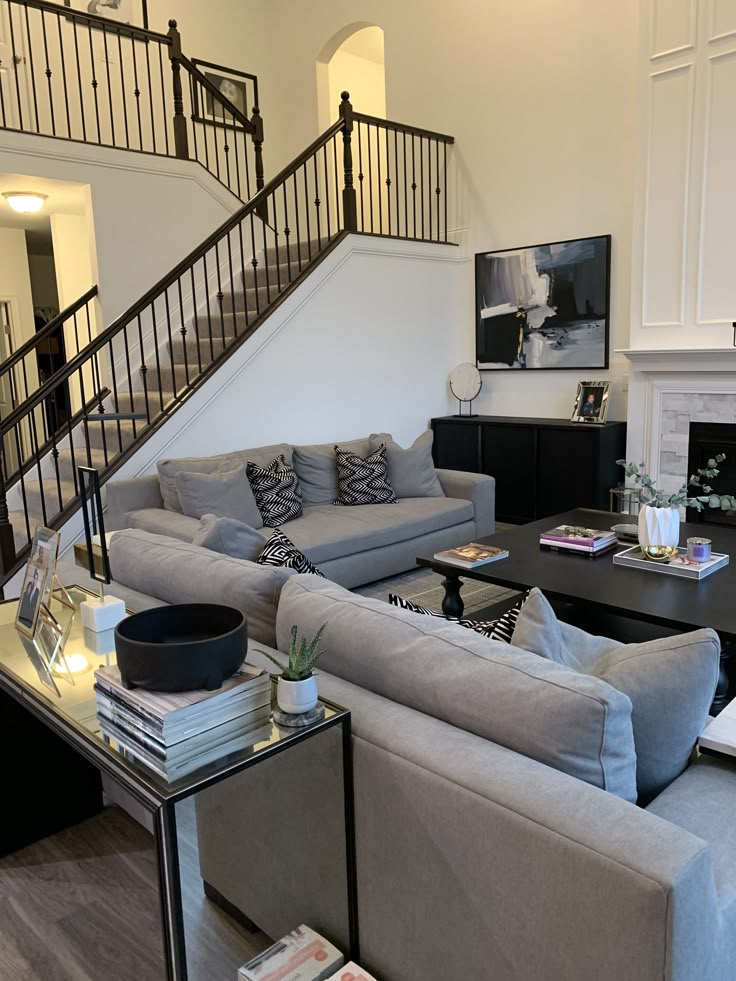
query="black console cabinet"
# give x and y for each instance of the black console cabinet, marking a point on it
(541, 466)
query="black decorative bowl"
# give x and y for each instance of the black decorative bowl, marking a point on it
(181, 647)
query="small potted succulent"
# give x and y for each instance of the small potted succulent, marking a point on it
(296, 691)
(659, 515)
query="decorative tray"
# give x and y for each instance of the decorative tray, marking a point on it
(681, 566)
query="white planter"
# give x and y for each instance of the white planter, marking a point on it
(296, 697)
(659, 527)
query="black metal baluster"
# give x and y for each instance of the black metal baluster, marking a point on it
(174, 384)
(221, 296)
(370, 176)
(306, 208)
(29, 35)
(163, 100)
(79, 80)
(445, 176)
(196, 320)
(193, 103)
(421, 179)
(55, 458)
(154, 324)
(437, 188)
(379, 185)
(137, 94)
(226, 148)
(94, 83)
(247, 165)
(2, 103)
(71, 453)
(232, 285)
(89, 325)
(131, 398)
(116, 400)
(21, 478)
(265, 262)
(209, 311)
(429, 186)
(143, 370)
(287, 231)
(396, 172)
(109, 89)
(123, 93)
(236, 156)
(63, 77)
(85, 419)
(146, 48)
(183, 332)
(338, 214)
(388, 181)
(361, 177)
(205, 134)
(277, 242)
(17, 60)
(242, 275)
(47, 72)
(317, 202)
(37, 457)
(327, 192)
(298, 226)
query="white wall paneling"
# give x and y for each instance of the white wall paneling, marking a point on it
(672, 27)
(722, 20)
(668, 177)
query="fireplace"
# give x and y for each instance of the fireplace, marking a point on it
(705, 441)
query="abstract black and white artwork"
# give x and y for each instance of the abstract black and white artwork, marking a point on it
(544, 306)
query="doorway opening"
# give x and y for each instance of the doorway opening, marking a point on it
(352, 60)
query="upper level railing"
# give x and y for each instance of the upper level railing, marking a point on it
(132, 375)
(79, 76)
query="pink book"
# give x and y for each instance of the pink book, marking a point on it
(574, 535)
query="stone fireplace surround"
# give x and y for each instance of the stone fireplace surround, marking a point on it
(669, 389)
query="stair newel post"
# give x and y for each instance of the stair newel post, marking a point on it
(349, 201)
(7, 539)
(181, 136)
(257, 138)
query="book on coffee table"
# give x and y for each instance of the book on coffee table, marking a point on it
(472, 555)
(578, 539)
(302, 955)
(351, 972)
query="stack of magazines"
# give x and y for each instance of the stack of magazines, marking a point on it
(571, 538)
(177, 733)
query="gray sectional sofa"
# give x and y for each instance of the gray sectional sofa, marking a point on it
(351, 545)
(497, 834)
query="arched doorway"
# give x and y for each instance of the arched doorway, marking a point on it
(352, 60)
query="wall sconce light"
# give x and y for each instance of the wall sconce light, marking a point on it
(25, 202)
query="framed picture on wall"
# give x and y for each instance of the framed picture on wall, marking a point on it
(133, 12)
(544, 306)
(239, 88)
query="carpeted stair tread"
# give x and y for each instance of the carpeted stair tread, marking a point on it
(51, 492)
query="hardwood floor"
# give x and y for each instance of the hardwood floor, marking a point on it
(82, 905)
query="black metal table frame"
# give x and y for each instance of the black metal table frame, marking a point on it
(162, 809)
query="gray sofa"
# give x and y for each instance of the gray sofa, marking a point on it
(493, 837)
(351, 545)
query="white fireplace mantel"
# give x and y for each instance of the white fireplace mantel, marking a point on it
(681, 359)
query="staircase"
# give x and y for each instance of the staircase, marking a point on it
(129, 379)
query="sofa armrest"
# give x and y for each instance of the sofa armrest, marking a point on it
(479, 489)
(131, 495)
(533, 873)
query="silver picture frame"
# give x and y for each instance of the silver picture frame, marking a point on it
(591, 402)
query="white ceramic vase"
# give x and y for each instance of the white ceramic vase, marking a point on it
(659, 527)
(297, 697)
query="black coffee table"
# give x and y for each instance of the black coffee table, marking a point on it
(598, 590)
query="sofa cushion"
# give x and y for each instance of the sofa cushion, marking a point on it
(325, 532)
(281, 551)
(160, 522)
(226, 493)
(276, 490)
(168, 469)
(316, 467)
(411, 471)
(229, 537)
(178, 572)
(570, 721)
(363, 479)
(671, 683)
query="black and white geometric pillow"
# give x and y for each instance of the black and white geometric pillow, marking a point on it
(276, 490)
(281, 551)
(363, 481)
(500, 629)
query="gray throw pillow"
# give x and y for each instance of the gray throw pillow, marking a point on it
(226, 494)
(316, 468)
(411, 471)
(228, 536)
(670, 681)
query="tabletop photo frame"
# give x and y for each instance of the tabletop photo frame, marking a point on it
(591, 402)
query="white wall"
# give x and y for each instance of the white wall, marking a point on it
(15, 282)
(540, 98)
(149, 212)
(684, 290)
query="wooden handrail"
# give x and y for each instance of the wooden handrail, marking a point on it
(94, 20)
(46, 330)
(403, 127)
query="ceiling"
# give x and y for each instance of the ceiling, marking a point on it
(64, 197)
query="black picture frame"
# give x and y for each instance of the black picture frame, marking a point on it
(538, 292)
(104, 8)
(243, 81)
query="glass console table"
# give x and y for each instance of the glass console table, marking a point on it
(72, 716)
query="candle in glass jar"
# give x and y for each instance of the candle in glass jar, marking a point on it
(698, 549)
